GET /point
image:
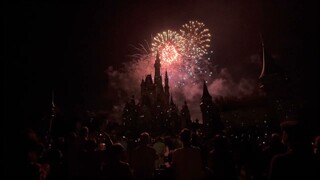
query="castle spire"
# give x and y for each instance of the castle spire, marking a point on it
(157, 66)
(171, 100)
(210, 113)
(157, 55)
(166, 77)
(205, 93)
(166, 85)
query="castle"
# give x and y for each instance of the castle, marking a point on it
(156, 110)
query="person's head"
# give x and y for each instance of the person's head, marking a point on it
(220, 142)
(275, 139)
(195, 138)
(185, 136)
(317, 142)
(91, 145)
(84, 132)
(293, 134)
(116, 151)
(34, 151)
(31, 135)
(107, 140)
(72, 137)
(159, 139)
(144, 138)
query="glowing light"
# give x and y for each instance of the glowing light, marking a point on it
(169, 53)
(184, 54)
(169, 45)
(196, 39)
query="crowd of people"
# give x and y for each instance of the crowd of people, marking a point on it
(92, 154)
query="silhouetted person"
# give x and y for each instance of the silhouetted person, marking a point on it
(221, 161)
(114, 167)
(299, 162)
(72, 156)
(32, 151)
(83, 138)
(160, 148)
(53, 156)
(317, 146)
(169, 148)
(274, 148)
(143, 158)
(187, 162)
(32, 168)
(90, 161)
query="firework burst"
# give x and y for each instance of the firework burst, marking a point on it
(196, 39)
(184, 54)
(169, 45)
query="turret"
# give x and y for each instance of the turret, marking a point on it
(166, 89)
(205, 93)
(171, 101)
(142, 87)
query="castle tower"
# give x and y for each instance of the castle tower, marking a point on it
(166, 89)
(174, 120)
(157, 75)
(147, 91)
(185, 116)
(130, 115)
(206, 106)
(155, 111)
(210, 113)
(142, 90)
(157, 67)
(158, 80)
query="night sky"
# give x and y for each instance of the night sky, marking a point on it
(66, 46)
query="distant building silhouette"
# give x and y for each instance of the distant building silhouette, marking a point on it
(210, 112)
(154, 111)
(153, 93)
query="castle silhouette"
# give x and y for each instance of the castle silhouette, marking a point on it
(157, 112)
